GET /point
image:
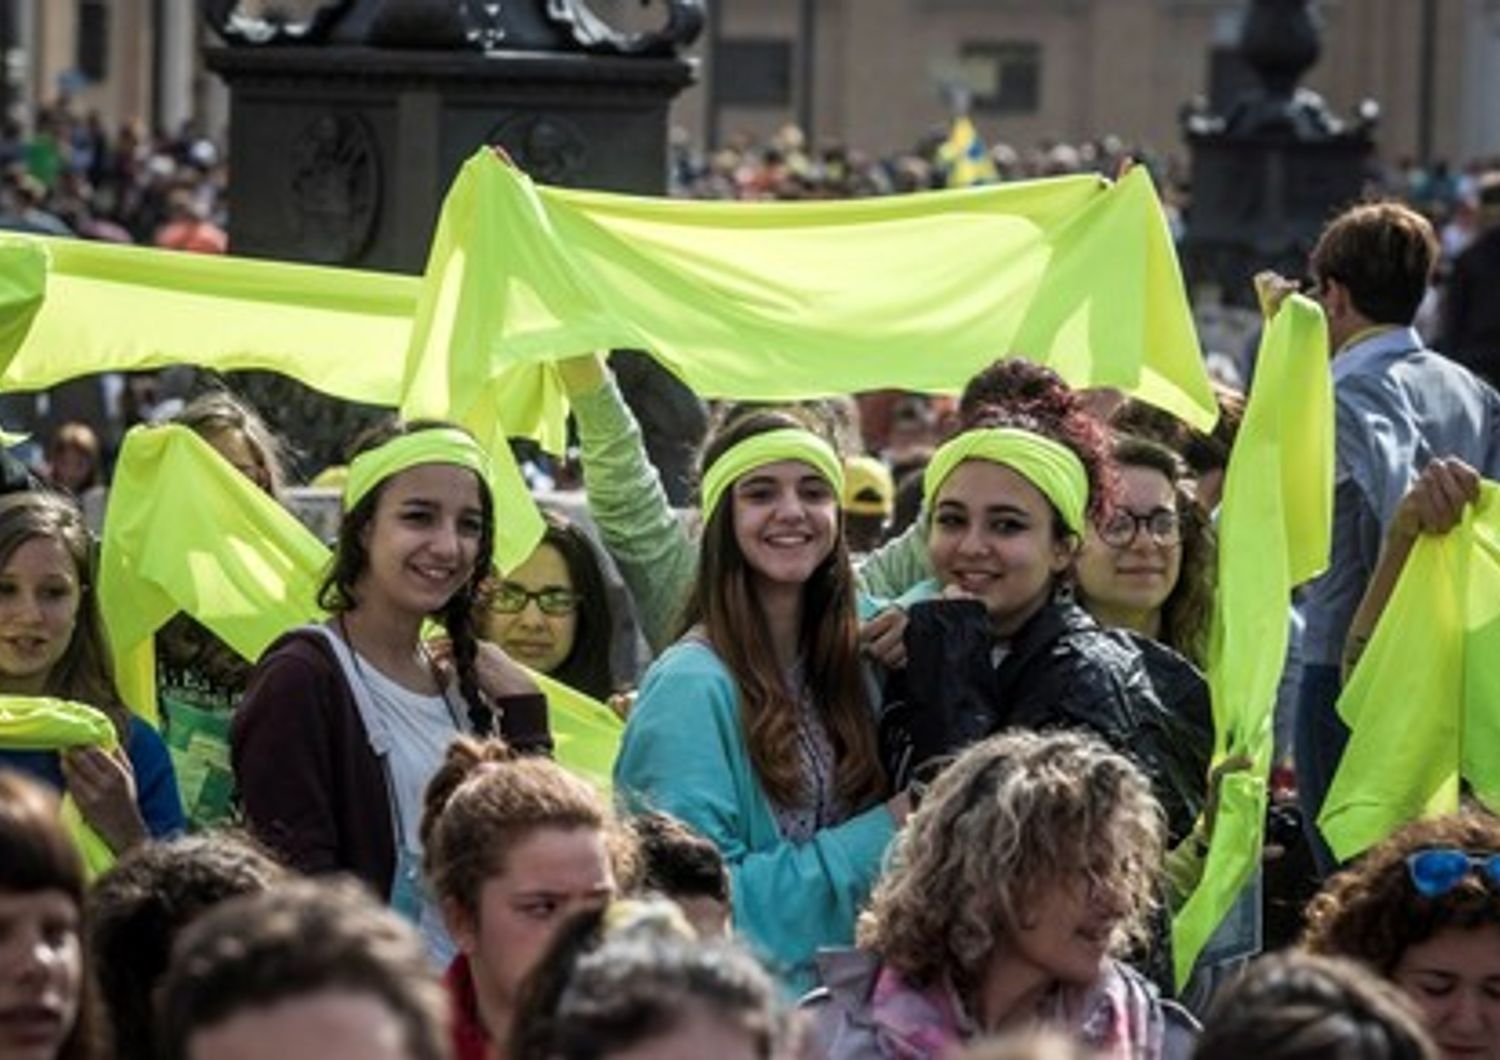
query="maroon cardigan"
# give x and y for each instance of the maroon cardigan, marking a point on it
(309, 784)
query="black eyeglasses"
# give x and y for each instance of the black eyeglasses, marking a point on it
(1122, 526)
(511, 599)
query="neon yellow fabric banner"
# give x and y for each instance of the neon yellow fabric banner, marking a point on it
(783, 300)
(213, 545)
(586, 732)
(1274, 533)
(341, 331)
(23, 283)
(1423, 704)
(184, 531)
(41, 723)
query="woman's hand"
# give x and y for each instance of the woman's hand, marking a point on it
(497, 673)
(1436, 501)
(103, 785)
(883, 638)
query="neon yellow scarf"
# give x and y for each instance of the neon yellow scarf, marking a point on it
(341, 331)
(761, 449)
(1423, 705)
(41, 723)
(1047, 464)
(434, 446)
(23, 281)
(1274, 533)
(185, 531)
(783, 300)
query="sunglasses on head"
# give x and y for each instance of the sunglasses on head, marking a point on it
(1436, 871)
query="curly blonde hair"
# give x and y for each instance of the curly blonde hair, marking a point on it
(1012, 817)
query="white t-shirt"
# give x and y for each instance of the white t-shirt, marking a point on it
(421, 727)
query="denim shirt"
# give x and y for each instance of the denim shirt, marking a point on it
(1397, 405)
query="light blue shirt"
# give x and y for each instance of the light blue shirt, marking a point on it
(1397, 405)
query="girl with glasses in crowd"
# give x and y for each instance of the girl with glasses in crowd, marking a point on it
(1147, 564)
(345, 722)
(1029, 865)
(1422, 909)
(756, 728)
(552, 612)
(1008, 501)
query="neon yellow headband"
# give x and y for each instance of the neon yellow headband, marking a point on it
(438, 445)
(788, 443)
(1048, 465)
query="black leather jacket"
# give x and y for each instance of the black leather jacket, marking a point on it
(1061, 670)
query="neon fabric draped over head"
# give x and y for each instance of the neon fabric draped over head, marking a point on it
(41, 723)
(770, 447)
(247, 571)
(437, 445)
(1423, 705)
(1047, 464)
(1275, 527)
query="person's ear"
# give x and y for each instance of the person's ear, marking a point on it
(462, 925)
(1064, 552)
(1336, 300)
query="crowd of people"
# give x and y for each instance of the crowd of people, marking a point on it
(70, 175)
(921, 767)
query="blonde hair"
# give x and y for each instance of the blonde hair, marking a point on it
(1013, 816)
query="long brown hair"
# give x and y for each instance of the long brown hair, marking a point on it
(84, 672)
(725, 603)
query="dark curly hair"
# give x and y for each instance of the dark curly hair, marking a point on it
(1372, 913)
(351, 559)
(1057, 413)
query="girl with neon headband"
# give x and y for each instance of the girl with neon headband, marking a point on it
(755, 728)
(354, 715)
(1008, 500)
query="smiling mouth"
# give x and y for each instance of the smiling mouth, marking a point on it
(31, 1024)
(26, 645)
(788, 540)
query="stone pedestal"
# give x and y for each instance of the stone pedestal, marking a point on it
(1268, 173)
(341, 155)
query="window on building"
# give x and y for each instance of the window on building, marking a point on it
(93, 39)
(753, 72)
(1003, 77)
